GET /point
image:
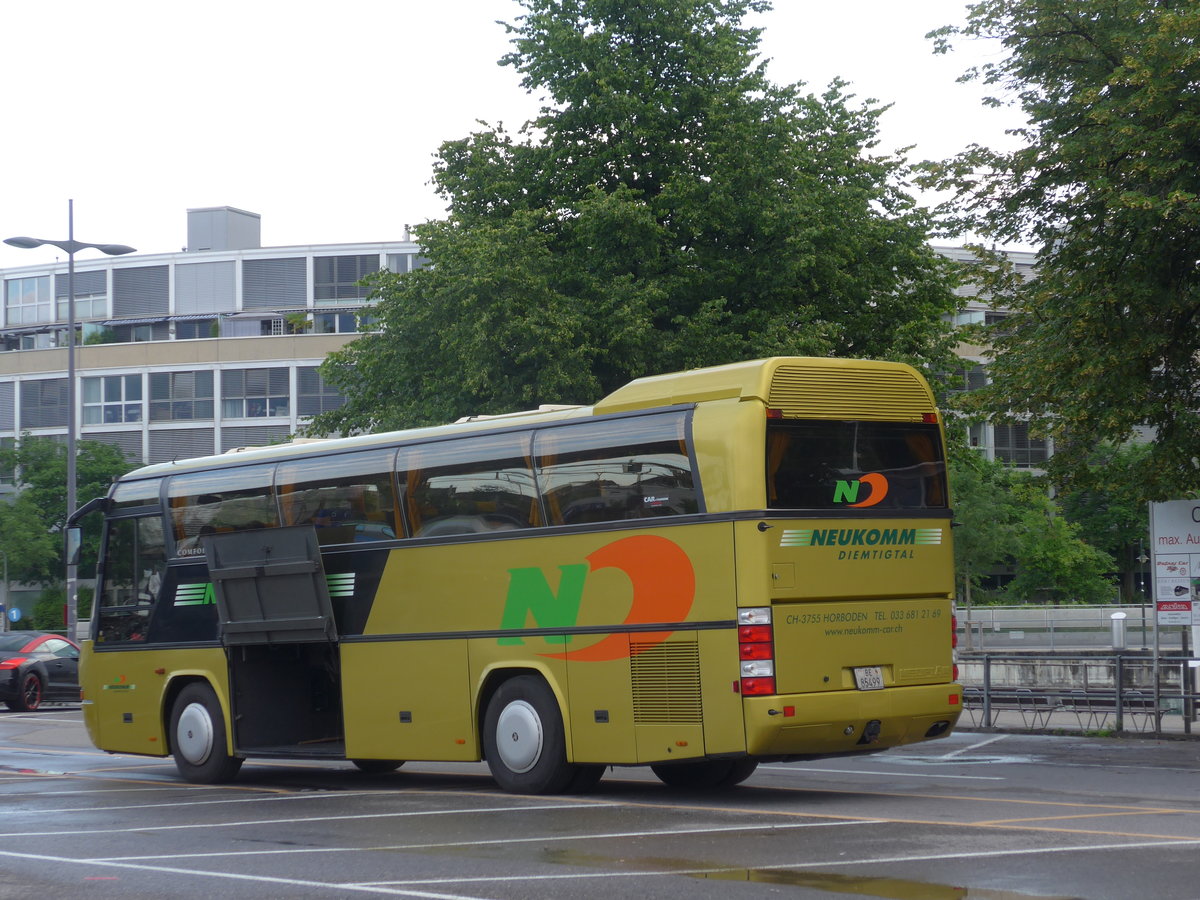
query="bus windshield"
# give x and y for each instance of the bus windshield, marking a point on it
(818, 464)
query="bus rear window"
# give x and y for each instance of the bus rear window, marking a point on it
(855, 465)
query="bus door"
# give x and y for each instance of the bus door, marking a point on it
(280, 637)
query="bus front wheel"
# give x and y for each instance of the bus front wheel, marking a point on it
(198, 738)
(523, 738)
(705, 773)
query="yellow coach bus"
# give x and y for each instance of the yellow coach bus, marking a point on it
(705, 570)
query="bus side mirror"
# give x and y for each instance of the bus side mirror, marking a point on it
(74, 545)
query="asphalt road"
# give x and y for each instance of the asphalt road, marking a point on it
(975, 815)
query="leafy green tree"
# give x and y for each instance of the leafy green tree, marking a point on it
(1107, 182)
(31, 526)
(1111, 510)
(1008, 518)
(669, 208)
(27, 541)
(988, 515)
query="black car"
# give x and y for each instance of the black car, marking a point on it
(35, 667)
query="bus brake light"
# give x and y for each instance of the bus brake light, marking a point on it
(756, 650)
(954, 644)
(757, 687)
(755, 634)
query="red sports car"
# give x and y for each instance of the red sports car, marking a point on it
(35, 667)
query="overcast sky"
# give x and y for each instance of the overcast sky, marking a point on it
(324, 117)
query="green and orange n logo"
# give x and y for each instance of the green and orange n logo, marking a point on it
(847, 491)
(663, 590)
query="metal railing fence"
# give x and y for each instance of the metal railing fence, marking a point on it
(1002, 629)
(1087, 693)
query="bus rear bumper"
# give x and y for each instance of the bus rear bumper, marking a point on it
(836, 722)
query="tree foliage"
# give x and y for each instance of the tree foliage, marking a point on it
(1007, 519)
(670, 207)
(31, 525)
(1107, 182)
(1110, 509)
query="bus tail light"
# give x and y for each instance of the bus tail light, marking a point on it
(756, 651)
(752, 687)
(954, 645)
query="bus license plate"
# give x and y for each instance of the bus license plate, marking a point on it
(868, 678)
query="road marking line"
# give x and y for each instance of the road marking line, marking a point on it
(774, 867)
(971, 747)
(793, 768)
(542, 839)
(1095, 815)
(232, 876)
(256, 823)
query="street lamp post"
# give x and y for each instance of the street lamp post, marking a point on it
(70, 246)
(7, 604)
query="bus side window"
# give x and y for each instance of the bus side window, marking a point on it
(475, 485)
(236, 498)
(348, 498)
(135, 563)
(633, 468)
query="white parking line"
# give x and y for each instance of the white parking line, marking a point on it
(538, 839)
(256, 823)
(261, 798)
(881, 773)
(234, 876)
(796, 866)
(971, 747)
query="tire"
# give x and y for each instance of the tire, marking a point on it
(586, 777)
(706, 773)
(198, 738)
(377, 766)
(29, 693)
(523, 738)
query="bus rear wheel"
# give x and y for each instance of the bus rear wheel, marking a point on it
(198, 738)
(523, 739)
(706, 773)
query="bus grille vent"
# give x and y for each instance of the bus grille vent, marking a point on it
(666, 683)
(846, 392)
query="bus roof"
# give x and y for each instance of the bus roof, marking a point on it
(811, 387)
(833, 388)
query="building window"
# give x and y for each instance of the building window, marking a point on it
(200, 328)
(111, 399)
(28, 300)
(8, 474)
(254, 393)
(335, 323)
(91, 295)
(181, 396)
(44, 403)
(87, 306)
(406, 262)
(973, 378)
(1013, 445)
(313, 394)
(335, 278)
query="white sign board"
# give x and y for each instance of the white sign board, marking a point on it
(1175, 537)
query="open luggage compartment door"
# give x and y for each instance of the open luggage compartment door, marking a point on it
(270, 587)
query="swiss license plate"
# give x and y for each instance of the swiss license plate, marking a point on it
(868, 678)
